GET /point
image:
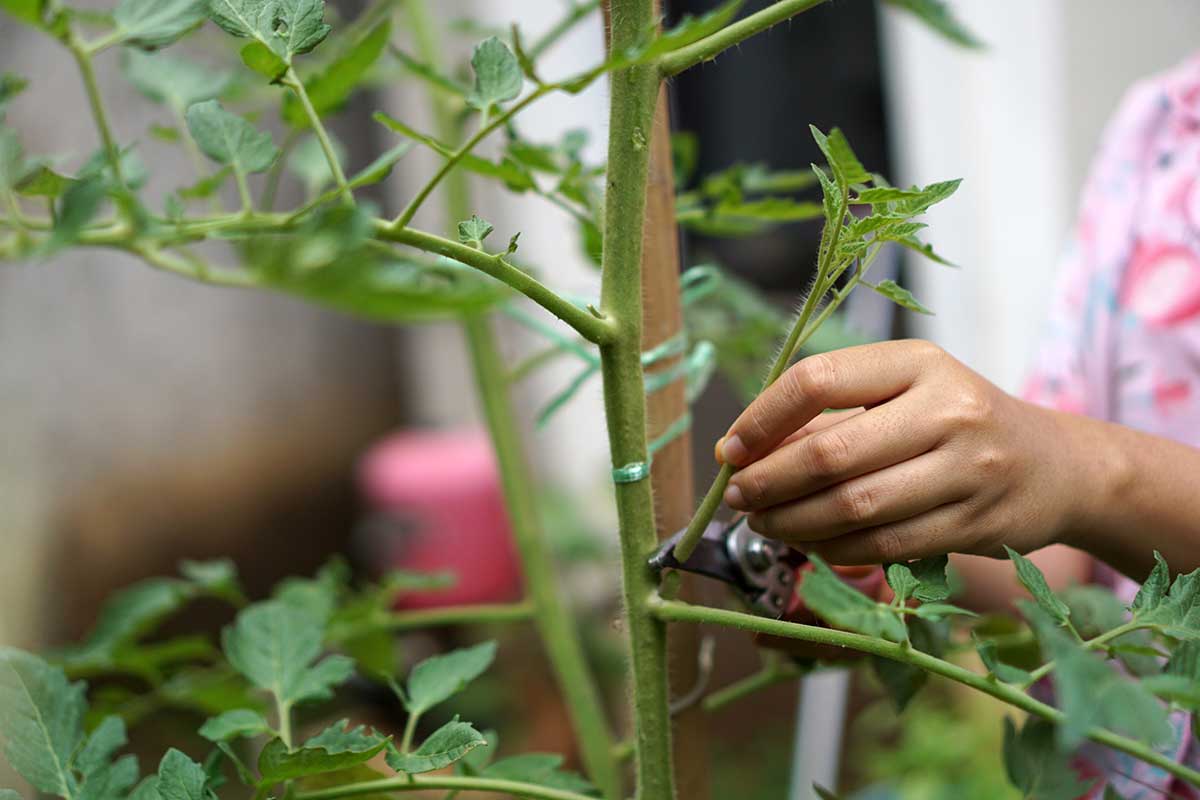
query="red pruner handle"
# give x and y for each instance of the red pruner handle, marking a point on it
(869, 580)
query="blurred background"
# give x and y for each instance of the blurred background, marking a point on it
(145, 419)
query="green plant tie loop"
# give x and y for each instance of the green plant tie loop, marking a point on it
(631, 473)
(640, 470)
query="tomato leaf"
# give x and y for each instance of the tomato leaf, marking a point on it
(150, 24)
(900, 296)
(275, 644)
(498, 76)
(236, 724)
(336, 748)
(446, 745)
(1036, 766)
(1035, 583)
(229, 139)
(41, 721)
(843, 606)
(175, 82)
(440, 677)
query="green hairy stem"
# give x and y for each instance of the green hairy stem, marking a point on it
(424, 783)
(732, 35)
(634, 94)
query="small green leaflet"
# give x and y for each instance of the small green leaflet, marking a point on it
(437, 80)
(43, 182)
(543, 769)
(229, 139)
(129, 615)
(473, 231)
(446, 745)
(440, 677)
(842, 160)
(823, 793)
(275, 644)
(150, 24)
(924, 579)
(217, 578)
(1091, 693)
(900, 296)
(1036, 766)
(1005, 672)
(1180, 683)
(286, 27)
(498, 77)
(690, 29)
(515, 175)
(10, 86)
(9, 794)
(1177, 613)
(41, 721)
(845, 607)
(180, 778)
(901, 680)
(938, 16)
(108, 737)
(241, 722)
(336, 748)
(175, 82)
(329, 89)
(1035, 583)
(31, 12)
(1152, 591)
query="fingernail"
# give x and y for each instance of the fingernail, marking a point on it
(734, 497)
(733, 451)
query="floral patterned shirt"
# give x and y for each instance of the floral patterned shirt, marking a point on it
(1123, 340)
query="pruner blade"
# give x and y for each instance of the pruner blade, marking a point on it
(760, 569)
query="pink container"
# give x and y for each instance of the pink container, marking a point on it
(437, 507)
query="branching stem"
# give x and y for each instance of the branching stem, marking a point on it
(675, 611)
(293, 82)
(712, 46)
(424, 783)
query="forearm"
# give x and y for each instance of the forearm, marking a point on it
(1137, 493)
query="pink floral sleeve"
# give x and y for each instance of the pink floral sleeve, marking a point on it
(1123, 339)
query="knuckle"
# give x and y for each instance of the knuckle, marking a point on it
(887, 544)
(990, 462)
(927, 351)
(826, 455)
(753, 483)
(972, 408)
(760, 523)
(855, 503)
(815, 376)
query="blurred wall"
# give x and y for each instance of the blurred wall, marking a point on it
(1020, 122)
(144, 417)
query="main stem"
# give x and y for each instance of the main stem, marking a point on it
(634, 93)
(552, 616)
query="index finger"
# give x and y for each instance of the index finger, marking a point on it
(857, 376)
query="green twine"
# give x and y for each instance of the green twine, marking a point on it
(640, 470)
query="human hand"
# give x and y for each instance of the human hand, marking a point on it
(940, 461)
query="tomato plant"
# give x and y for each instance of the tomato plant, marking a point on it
(297, 647)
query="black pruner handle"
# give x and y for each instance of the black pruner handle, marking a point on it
(762, 571)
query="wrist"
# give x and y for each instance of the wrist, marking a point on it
(1099, 467)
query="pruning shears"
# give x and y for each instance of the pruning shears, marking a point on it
(762, 571)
